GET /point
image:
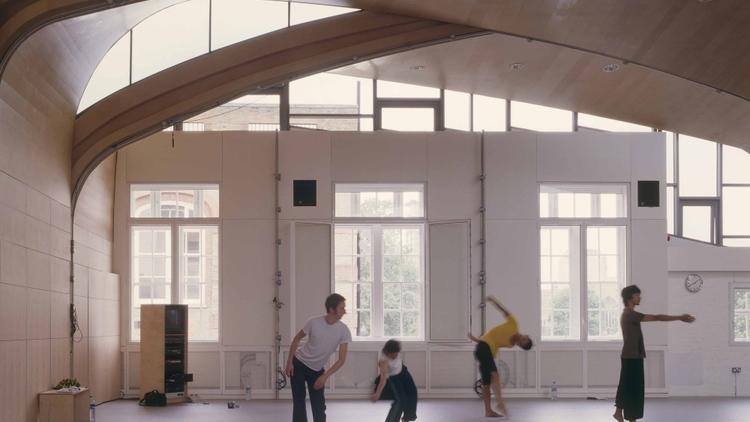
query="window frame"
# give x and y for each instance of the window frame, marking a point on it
(377, 284)
(583, 225)
(723, 185)
(174, 224)
(377, 226)
(584, 189)
(436, 105)
(733, 287)
(713, 203)
(581, 266)
(170, 187)
(680, 201)
(380, 187)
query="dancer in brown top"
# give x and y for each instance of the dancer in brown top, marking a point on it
(631, 389)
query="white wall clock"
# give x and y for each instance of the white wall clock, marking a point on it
(693, 283)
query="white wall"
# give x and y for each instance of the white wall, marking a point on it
(700, 354)
(449, 164)
(517, 164)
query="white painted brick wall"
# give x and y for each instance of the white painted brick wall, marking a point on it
(700, 355)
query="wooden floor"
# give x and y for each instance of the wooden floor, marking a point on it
(522, 410)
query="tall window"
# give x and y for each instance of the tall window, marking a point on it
(582, 260)
(708, 191)
(379, 259)
(560, 282)
(741, 314)
(698, 201)
(174, 230)
(605, 276)
(735, 206)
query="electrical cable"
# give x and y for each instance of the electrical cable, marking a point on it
(74, 327)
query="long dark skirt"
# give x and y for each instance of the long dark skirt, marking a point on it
(631, 389)
(404, 397)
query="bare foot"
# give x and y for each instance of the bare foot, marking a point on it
(492, 414)
(618, 417)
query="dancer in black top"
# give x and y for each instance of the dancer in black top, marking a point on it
(631, 389)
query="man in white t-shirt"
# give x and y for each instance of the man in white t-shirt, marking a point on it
(324, 334)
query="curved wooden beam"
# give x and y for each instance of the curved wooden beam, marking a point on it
(204, 82)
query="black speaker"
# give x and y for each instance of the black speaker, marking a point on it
(305, 193)
(648, 193)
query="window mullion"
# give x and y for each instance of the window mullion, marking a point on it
(583, 283)
(398, 203)
(176, 259)
(377, 285)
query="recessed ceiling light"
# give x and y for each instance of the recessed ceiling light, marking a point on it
(516, 66)
(417, 67)
(611, 67)
(703, 1)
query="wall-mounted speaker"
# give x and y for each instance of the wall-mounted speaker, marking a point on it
(305, 193)
(648, 193)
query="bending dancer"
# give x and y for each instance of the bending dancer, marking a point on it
(400, 381)
(324, 334)
(503, 335)
(631, 389)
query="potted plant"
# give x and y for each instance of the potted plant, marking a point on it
(68, 383)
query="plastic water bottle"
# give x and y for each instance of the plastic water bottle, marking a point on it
(247, 393)
(553, 391)
(92, 409)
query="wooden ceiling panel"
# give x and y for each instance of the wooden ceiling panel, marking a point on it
(569, 79)
(706, 42)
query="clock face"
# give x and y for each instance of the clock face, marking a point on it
(693, 283)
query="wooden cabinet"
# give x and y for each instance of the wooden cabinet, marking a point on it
(58, 406)
(164, 351)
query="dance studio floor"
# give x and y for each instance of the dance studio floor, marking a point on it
(454, 410)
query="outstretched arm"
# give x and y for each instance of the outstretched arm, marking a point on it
(498, 305)
(474, 339)
(660, 317)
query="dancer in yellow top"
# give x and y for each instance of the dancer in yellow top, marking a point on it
(503, 335)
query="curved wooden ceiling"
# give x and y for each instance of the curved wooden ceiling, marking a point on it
(569, 79)
(214, 78)
(19, 19)
(684, 62)
(702, 41)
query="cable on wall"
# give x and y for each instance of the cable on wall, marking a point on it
(280, 377)
(482, 239)
(73, 314)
